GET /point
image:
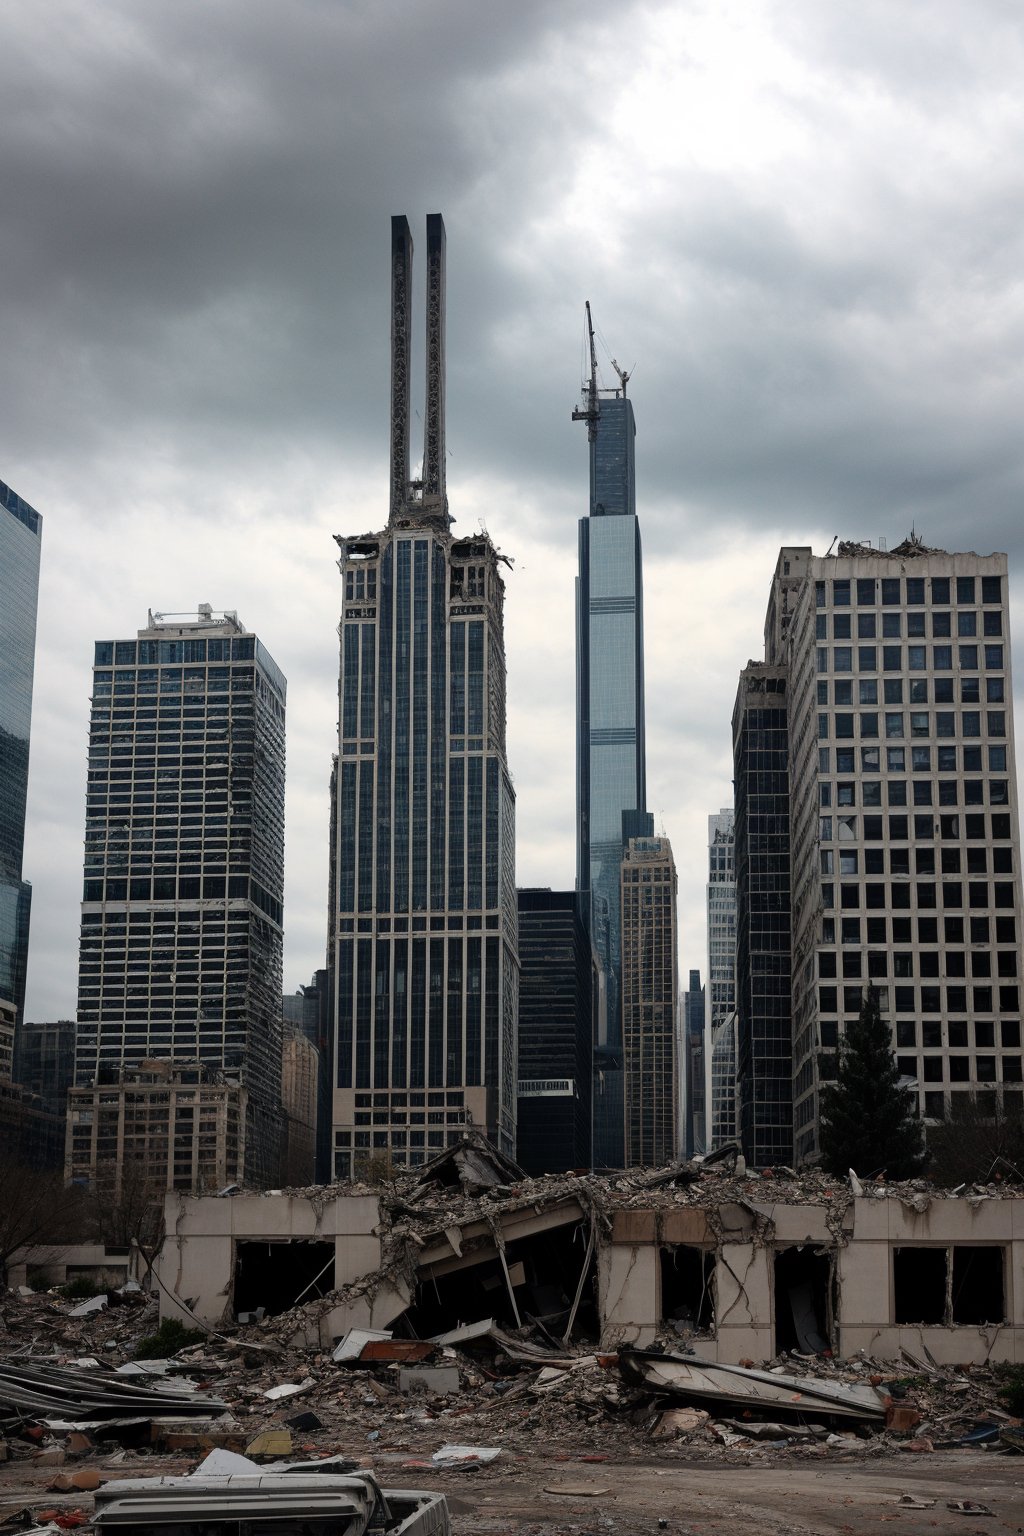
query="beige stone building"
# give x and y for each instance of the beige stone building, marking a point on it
(650, 997)
(170, 1127)
(300, 1066)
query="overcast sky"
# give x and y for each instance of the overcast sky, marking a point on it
(800, 221)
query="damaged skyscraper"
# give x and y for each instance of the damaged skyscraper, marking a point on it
(423, 941)
(611, 767)
(891, 672)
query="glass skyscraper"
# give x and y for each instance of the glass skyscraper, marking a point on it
(181, 947)
(20, 537)
(423, 903)
(611, 773)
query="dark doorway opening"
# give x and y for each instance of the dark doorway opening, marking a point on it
(919, 1284)
(277, 1275)
(687, 1288)
(545, 1270)
(805, 1301)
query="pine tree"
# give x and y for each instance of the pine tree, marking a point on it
(867, 1119)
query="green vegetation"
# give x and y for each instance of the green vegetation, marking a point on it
(171, 1336)
(81, 1288)
(867, 1120)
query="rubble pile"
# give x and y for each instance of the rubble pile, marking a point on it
(111, 1323)
(493, 1390)
(487, 1386)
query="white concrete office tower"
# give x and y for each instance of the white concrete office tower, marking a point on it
(650, 1002)
(180, 957)
(423, 940)
(720, 983)
(905, 847)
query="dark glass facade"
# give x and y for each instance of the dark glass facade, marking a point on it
(46, 1064)
(20, 538)
(693, 1068)
(610, 738)
(424, 863)
(763, 930)
(558, 998)
(181, 944)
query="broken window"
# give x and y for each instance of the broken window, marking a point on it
(548, 1278)
(805, 1300)
(687, 1288)
(944, 1287)
(275, 1276)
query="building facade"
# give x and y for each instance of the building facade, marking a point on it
(46, 1063)
(763, 1023)
(156, 1126)
(300, 1077)
(423, 940)
(720, 988)
(180, 958)
(21, 531)
(309, 1011)
(693, 1037)
(905, 844)
(558, 1016)
(611, 767)
(650, 1001)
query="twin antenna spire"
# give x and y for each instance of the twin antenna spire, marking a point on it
(415, 498)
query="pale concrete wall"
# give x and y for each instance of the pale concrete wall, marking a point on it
(752, 1233)
(867, 1302)
(53, 1260)
(196, 1265)
(195, 1268)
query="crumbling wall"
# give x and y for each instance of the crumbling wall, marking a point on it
(195, 1268)
(866, 1278)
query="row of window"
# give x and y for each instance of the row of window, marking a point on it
(961, 1069)
(940, 723)
(926, 999)
(917, 691)
(897, 897)
(946, 759)
(867, 591)
(149, 653)
(951, 861)
(926, 826)
(840, 658)
(924, 792)
(928, 963)
(892, 626)
(436, 923)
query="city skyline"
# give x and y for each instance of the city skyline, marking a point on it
(209, 395)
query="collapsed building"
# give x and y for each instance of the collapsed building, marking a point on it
(736, 1267)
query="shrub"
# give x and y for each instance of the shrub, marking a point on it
(171, 1336)
(81, 1288)
(1012, 1388)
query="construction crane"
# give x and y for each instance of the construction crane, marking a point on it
(624, 377)
(591, 412)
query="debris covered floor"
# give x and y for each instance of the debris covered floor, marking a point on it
(522, 1345)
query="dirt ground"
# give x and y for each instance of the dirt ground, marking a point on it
(519, 1495)
(757, 1499)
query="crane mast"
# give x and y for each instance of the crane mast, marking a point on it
(591, 411)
